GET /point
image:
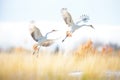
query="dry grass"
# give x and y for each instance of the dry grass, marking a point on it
(26, 66)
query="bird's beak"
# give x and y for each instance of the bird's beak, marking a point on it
(92, 26)
(54, 30)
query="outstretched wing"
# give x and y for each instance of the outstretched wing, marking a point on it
(83, 18)
(47, 42)
(67, 17)
(35, 33)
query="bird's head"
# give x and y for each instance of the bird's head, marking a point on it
(54, 30)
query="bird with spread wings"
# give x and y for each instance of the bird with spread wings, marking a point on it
(69, 21)
(39, 38)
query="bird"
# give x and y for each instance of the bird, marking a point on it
(69, 21)
(40, 39)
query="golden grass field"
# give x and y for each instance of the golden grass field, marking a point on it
(25, 66)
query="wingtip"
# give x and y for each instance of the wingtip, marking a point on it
(64, 8)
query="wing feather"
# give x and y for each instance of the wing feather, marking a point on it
(67, 17)
(47, 43)
(36, 34)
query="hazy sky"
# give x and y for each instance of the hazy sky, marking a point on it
(100, 11)
(15, 16)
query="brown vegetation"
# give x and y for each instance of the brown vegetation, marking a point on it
(88, 48)
(86, 58)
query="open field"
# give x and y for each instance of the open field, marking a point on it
(92, 64)
(56, 67)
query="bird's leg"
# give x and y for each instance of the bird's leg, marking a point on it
(68, 34)
(64, 39)
(57, 49)
(33, 52)
(38, 51)
(35, 47)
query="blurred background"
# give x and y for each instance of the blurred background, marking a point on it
(15, 17)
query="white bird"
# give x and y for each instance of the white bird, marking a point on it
(40, 39)
(74, 26)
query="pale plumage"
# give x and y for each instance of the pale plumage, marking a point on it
(74, 26)
(35, 33)
(67, 17)
(40, 39)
